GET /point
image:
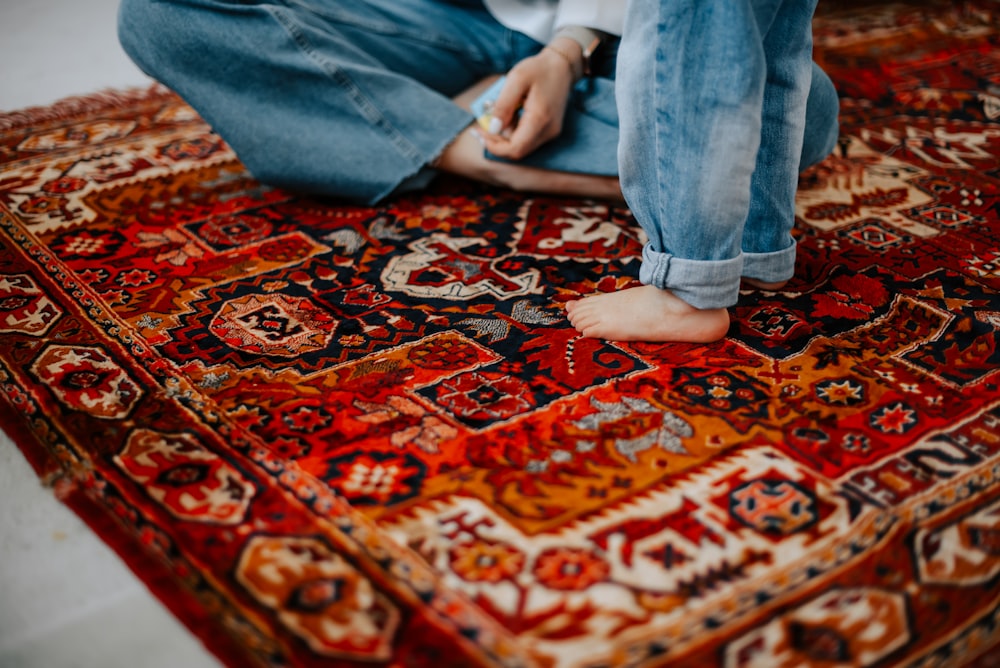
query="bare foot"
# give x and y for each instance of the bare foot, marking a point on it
(646, 313)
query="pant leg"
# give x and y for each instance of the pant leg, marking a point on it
(690, 89)
(348, 98)
(690, 85)
(590, 137)
(768, 246)
(822, 119)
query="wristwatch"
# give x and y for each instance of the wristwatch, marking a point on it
(590, 41)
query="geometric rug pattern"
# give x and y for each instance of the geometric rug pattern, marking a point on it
(329, 434)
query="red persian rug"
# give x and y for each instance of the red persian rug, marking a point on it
(351, 436)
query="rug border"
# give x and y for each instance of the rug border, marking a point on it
(78, 105)
(45, 465)
(159, 580)
(148, 571)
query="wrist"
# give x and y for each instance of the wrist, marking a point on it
(569, 51)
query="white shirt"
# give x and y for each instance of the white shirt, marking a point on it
(540, 18)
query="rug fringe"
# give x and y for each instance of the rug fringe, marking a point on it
(71, 107)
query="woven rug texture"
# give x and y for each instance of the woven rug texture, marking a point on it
(336, 435)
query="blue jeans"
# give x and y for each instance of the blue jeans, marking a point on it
(352, 98)
(712, 139)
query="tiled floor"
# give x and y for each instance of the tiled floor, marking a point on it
(66, 601)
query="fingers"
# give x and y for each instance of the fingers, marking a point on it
(532, 130)
(540, 120)
(510, 100)
(529, 109)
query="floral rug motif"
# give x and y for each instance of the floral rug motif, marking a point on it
(327, 434)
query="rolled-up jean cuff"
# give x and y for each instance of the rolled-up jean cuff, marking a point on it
(703, 284)
(772, 267)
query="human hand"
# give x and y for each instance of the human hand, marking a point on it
(538, 87)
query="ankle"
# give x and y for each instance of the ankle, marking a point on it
(764, 285)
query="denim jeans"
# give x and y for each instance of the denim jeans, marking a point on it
(712, 139)
(352, 98)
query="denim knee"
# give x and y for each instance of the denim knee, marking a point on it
(156, 35)
(138, 34)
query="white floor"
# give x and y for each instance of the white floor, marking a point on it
(66, 600)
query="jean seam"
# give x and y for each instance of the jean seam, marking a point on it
(388, 28)
(363, 103)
